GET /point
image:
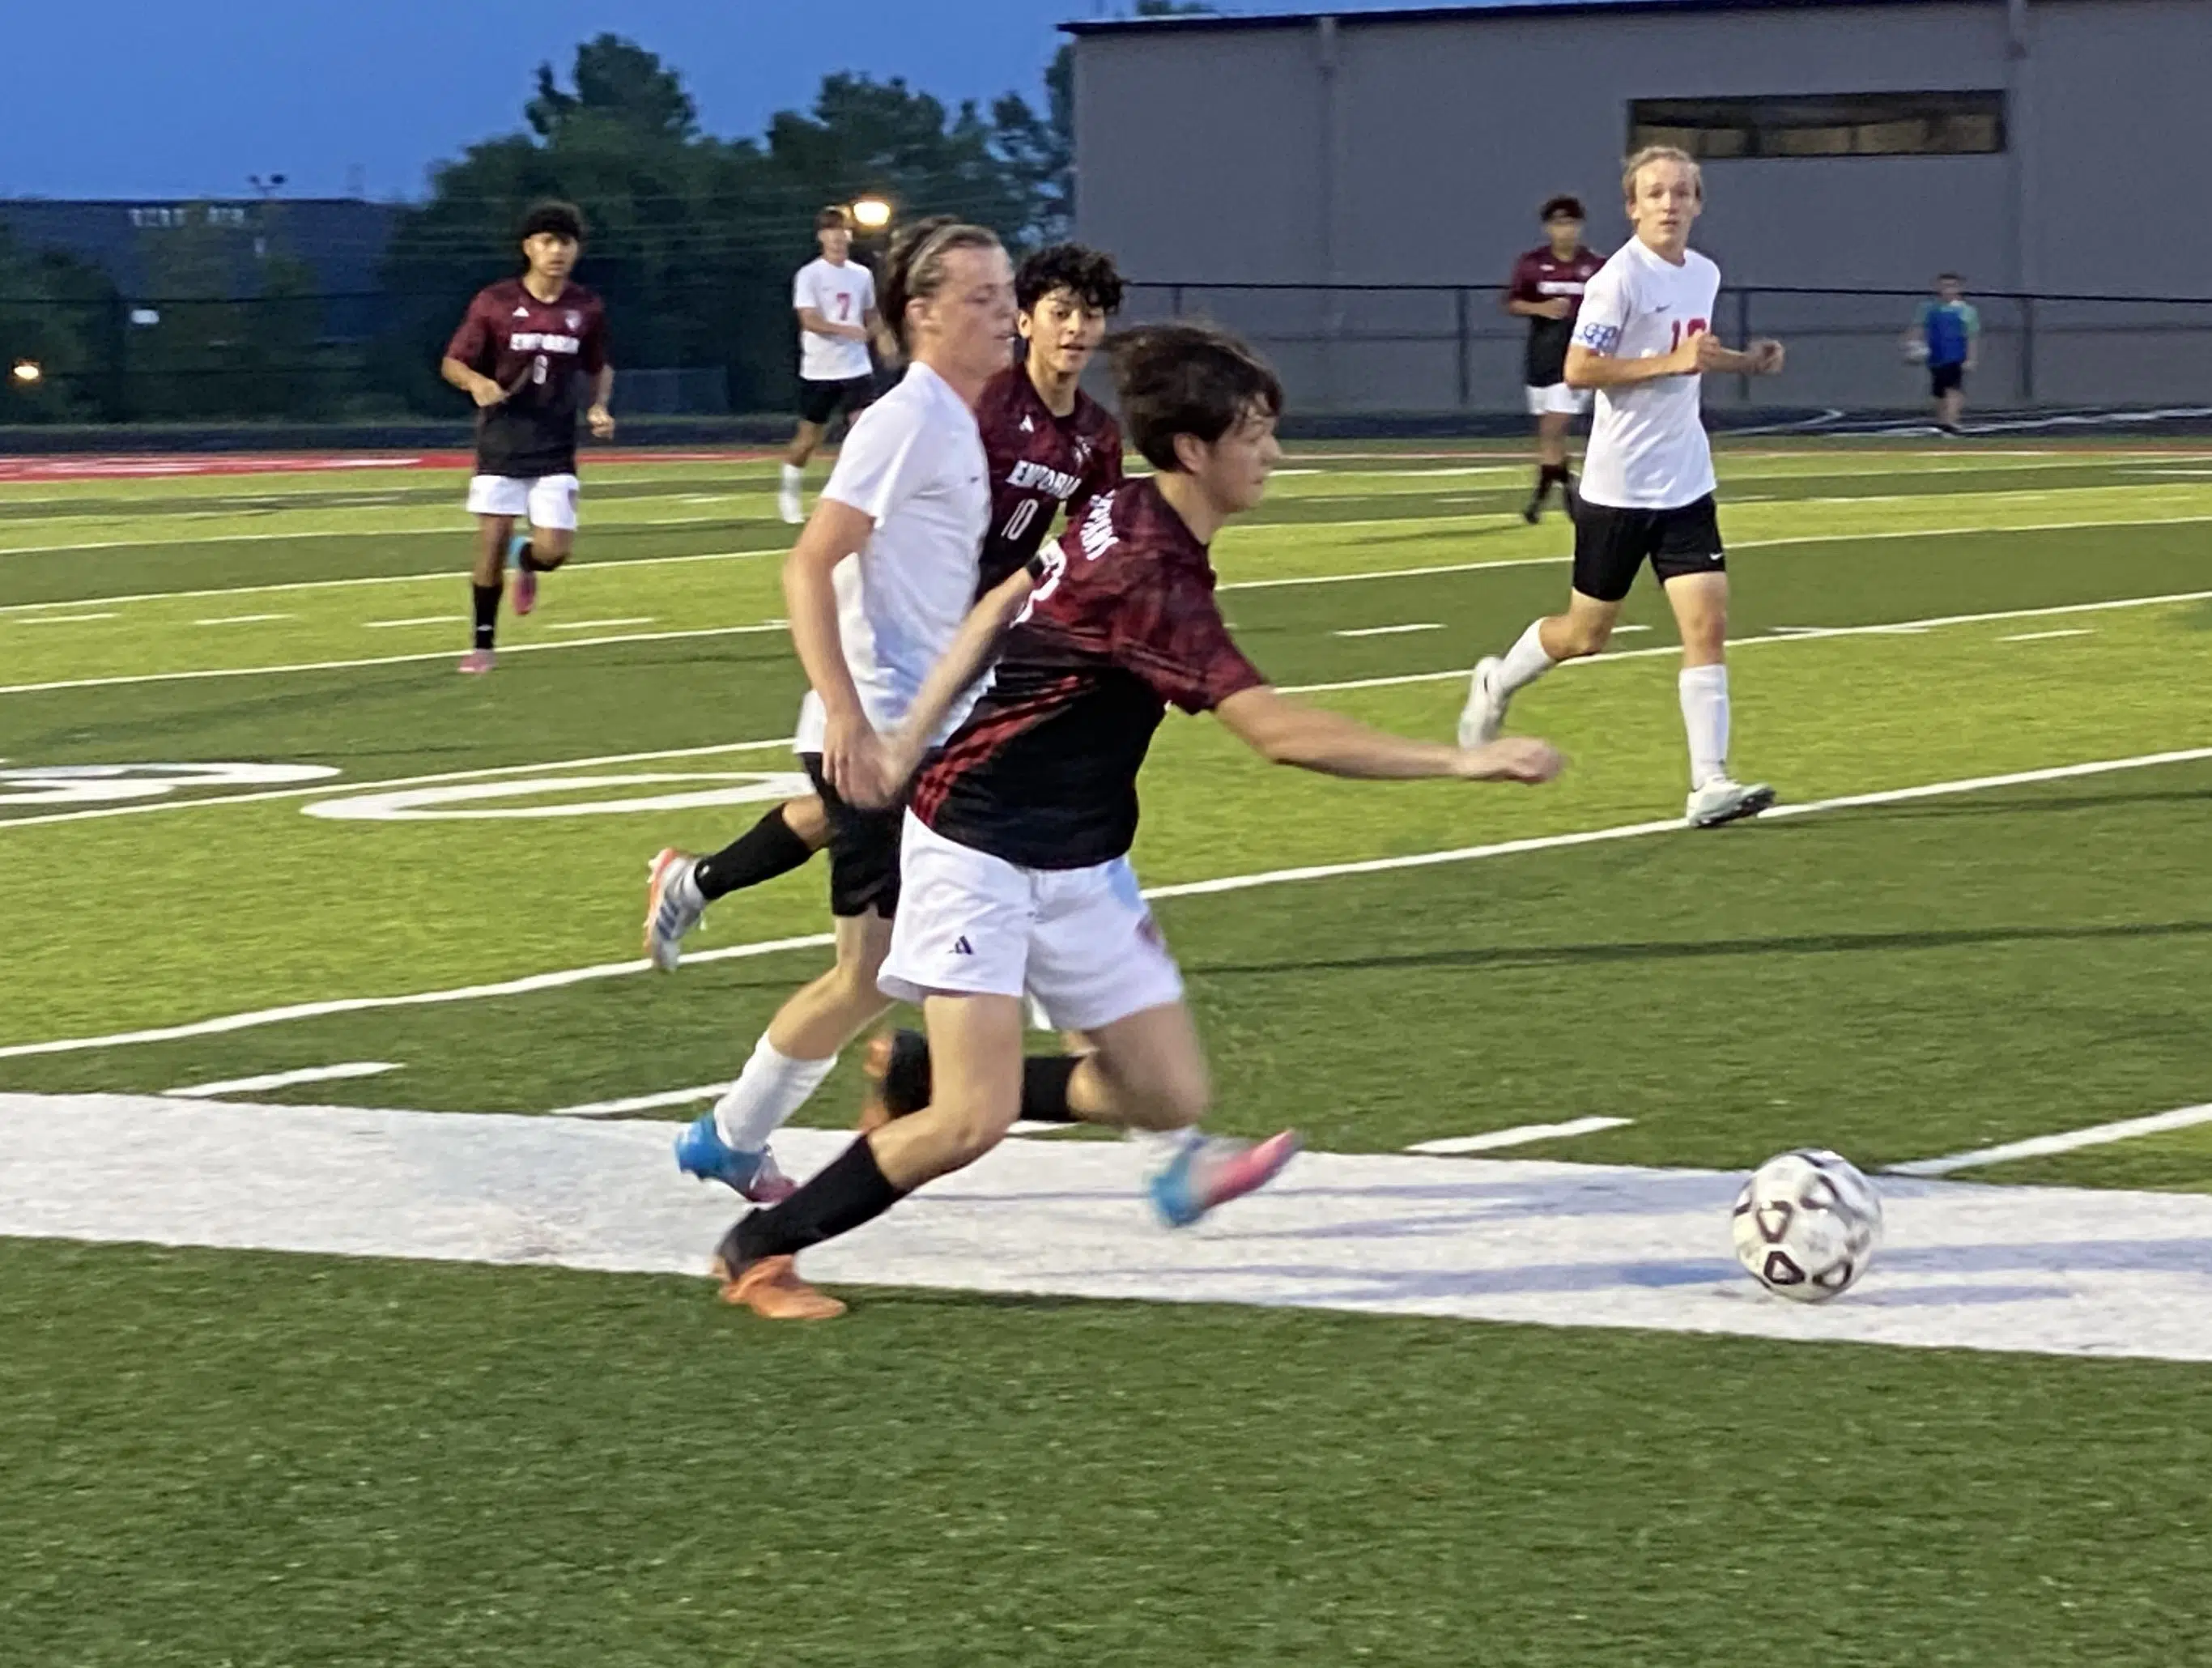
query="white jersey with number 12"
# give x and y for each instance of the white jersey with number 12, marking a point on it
(1647, 446)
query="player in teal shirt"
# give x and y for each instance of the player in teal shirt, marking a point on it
(1946, 334)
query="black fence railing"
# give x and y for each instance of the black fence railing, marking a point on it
(1342, 348)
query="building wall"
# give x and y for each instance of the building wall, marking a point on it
(1402, 152)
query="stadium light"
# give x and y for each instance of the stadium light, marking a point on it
(871, 214)
(28, 371)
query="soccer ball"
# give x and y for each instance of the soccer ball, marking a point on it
(1916, 352)
(1807, 1224)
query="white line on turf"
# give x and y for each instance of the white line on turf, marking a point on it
(1519, 1135)
(2045, 636)
(2069, 1140)
(1786, 634)
(345, 787)
(640, 1102)
(60, 619)
(373, 659)
(241, 619)
(2049, 1270)
(285, 1080)
(1390, 630)
(419, 619)
(601, 625)
(566, 977)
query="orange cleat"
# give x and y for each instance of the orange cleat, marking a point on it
(772, 1289)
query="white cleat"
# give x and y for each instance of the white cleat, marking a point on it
(1721, 800)
(1484, 715)
(672, 908)
(789, 505)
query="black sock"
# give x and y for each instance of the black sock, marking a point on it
(1543, 482)
(527, 558)
(1044, 1087)
(1045, 1078)
(487, 599)
(1551, 472)
(850, 1191)
(764, 851)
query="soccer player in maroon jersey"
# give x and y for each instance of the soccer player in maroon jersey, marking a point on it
(1014, 864)
(517, 354)
(1050, 446)
(1546, 289)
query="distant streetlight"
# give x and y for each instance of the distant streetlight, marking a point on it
(28, 372)
(871, 214)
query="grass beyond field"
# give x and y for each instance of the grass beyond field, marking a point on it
(237, 1456)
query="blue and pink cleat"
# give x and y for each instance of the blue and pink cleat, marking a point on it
(1208, 1172)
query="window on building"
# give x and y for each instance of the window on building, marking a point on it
(1846, 125)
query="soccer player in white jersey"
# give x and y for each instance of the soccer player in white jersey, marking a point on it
(1644, 340)
(877, 588)
(834, 298)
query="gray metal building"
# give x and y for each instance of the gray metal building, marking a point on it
(2053, 148)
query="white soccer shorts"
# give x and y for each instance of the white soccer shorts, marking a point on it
(549, 501)
(1080, 942)
(1558, 399)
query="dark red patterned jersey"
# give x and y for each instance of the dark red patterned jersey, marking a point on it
(1039, 463)
(538, 350)
(1541, 276)
(1124, 622)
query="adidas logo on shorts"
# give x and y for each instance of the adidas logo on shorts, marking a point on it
(960, 946)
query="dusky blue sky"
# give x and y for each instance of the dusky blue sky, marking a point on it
(180, 98)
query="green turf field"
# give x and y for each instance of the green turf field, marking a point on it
(235, 1457)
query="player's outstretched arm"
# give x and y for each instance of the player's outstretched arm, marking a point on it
(973, 646)
(1286, 731)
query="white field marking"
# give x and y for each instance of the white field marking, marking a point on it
(2045, 636)
(1623, 631)
(373, 659)
(2046, 1270)
(1390, 573)
(420, 620)
(60, 619)
(464, 801)
(241, 619)
(285, 1080)
(649, 524)
(600, 625)
(384, 579)
(640, 1102)
(2037, 1147)
(1390, 630)
(343, 787)
(1520, 1136)
(2166, 473)
(565, 978)
(1788, 634)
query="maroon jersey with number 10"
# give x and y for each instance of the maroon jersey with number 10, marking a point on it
(534, 350)
(1124, 622)
(1039, 463)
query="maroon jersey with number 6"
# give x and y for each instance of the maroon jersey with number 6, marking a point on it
(535, 349)
(1123, 623)
(1039, 463)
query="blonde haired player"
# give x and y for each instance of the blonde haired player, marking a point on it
(1644, 341)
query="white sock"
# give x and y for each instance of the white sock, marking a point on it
(1526, 661)
(773, 1088)
(793, 477)
(1706, 721)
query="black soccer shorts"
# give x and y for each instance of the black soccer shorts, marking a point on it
(1612, 543)
(819, 401)
(1945, 378)
(864, 850)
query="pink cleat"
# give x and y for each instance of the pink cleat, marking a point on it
(525, 596)
(1208, 1173)
(476, 660)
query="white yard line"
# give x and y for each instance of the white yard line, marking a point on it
(640, 1102)
(60, 619)
(565, 978)
(373, 659)
(241, 619)
(1520, 1136)
(2045, 636)
(2046, 1270)
(1390, 630)
(606, 625)
(2037, 1147)
(285, 1080)
(419, 619)
(1785, 633)
(343, 786)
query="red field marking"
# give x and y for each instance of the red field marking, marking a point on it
(143, 465)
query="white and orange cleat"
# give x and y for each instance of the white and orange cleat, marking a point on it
(771, 1289)
(476, 661)
(673, 906)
